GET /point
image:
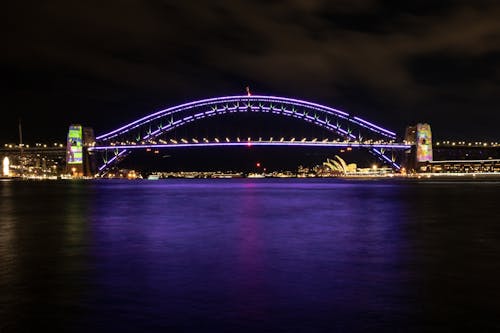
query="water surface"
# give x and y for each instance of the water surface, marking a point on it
(249, 255)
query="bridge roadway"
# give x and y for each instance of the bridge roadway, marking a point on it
(174, 143)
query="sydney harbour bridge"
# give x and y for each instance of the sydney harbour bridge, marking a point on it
(154, 130)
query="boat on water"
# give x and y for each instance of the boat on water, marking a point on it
(226, 175)
(153, 176)
(256, 175)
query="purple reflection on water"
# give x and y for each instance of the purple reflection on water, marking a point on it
(251, 294)
(249, 255)
(246, 254)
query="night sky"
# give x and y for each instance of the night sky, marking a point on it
(104, 63)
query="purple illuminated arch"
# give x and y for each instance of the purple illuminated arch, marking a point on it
(152, 126)
(254, 103)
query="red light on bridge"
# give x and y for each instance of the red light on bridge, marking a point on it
(257, 164)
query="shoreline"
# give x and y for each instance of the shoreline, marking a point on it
(419, 176)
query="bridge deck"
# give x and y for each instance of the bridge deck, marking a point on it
(220, 143)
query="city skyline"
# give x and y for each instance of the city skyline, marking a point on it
(103, 65)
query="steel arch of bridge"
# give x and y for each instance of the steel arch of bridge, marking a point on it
(146, 130)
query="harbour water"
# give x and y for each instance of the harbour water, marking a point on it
(249, 255)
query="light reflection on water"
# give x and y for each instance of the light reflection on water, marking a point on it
(225, 255)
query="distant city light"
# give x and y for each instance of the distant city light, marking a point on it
(6, 166)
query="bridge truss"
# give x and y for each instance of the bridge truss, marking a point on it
(150, 131)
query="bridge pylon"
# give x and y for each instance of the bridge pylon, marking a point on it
(80, 160)
(419, 136)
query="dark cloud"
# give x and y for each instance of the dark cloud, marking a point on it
(394, 62)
